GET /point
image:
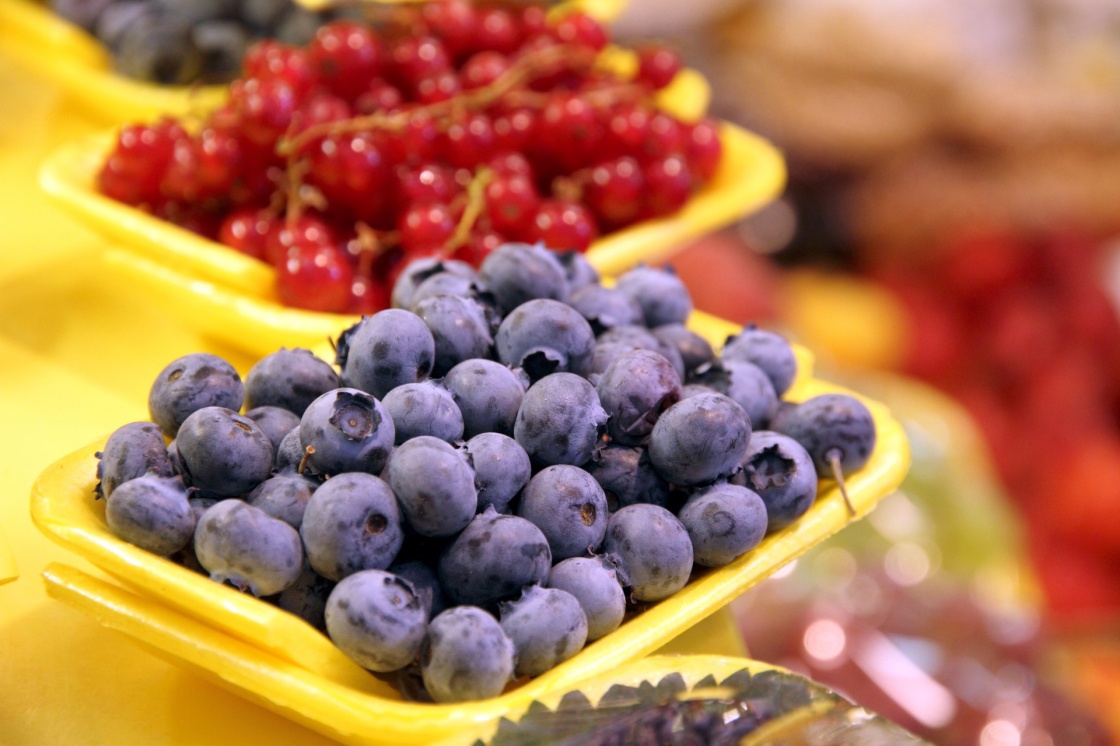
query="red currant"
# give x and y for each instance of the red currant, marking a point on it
(513, 129)
(627, 127)
(483, 69)
(469, 140)
(247, 229)
(478, 246)
(351, 172)
(569, 129)
(346, 56)
(440, 86)
(308, 230)
(380, 96)
(668, 186)
(658, 65)
(426, 183)
(426, 226)
(511, 204)
(534, 22)
(453, 21)
(580, 29)
(367, 296)
(561, 224)
(264, 108)
(134, 170)
(315, 277)
(272, 60)
(416, 58)
(497, 31)
(613, 191)
(703, 148)
(663, 137)
(510, 164)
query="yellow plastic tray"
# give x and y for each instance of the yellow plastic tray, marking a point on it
(231, 297)
(78, 64)
(283, 663)
(8, 569)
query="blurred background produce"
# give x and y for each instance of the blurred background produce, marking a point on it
(952, 215)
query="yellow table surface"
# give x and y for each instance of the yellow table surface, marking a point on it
(76, 359)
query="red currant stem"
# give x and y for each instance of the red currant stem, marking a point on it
(607, 96)
(307, 453)
(539, 62)
(295, 171)
(834, 461)
(372, 247)
(476, 202)
(569, 187)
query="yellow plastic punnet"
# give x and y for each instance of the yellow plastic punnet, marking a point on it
(280, 661)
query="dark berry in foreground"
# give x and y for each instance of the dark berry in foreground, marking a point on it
(347, 430)
(560, 420)
(385, 350)
(723, 521)
(769, 351)
(699, 440)
(653, 549)
(190, 383)
(494, 558)
(248, 548)
(351, 523)
(781, 472)
(222, 452)
(130, 452)
(151, 512)
(466, 657)
(546, 625)
(595, 584)
(434, 484)
(290, 379)
(377, 620)
(569, 507)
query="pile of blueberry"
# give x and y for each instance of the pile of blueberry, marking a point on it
(179, 43)
(443, 127)
(502, 467)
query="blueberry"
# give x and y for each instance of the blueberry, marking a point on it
(466, 657)
(424, 408)
(560, 420)
(425, 582)
(627, 477)
(290, 452)
(352, 523)
(769, 351)
(694, 349)
(284, 495)
(289, 379)
(605, 308)
(838, 432)
(385, 350)
(547, 626)
(493, 558)
(159, 48)
(82, 13)
(569, 507)
(639, 337)
(152, 513)
(190, 383)
(696, 389)
(275, 422)
(130, 452)
(724, 521)
(501, 469)
(653, 549)
(699, 440)
(307, 597)
(443, 284)
(745, 383)
(248, 548)
(577, 269)
(434, 484)
(349, 430)
(661, 295)
(781, 472)
(377, 620)
(546, 336)
(222, 452)
(595, 584)
(832, 425)
(488, 394)
(637, 387)
(459, 327)
(297, 26)
(421, 269)
(517, 272)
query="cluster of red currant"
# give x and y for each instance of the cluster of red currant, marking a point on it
(443, 128)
